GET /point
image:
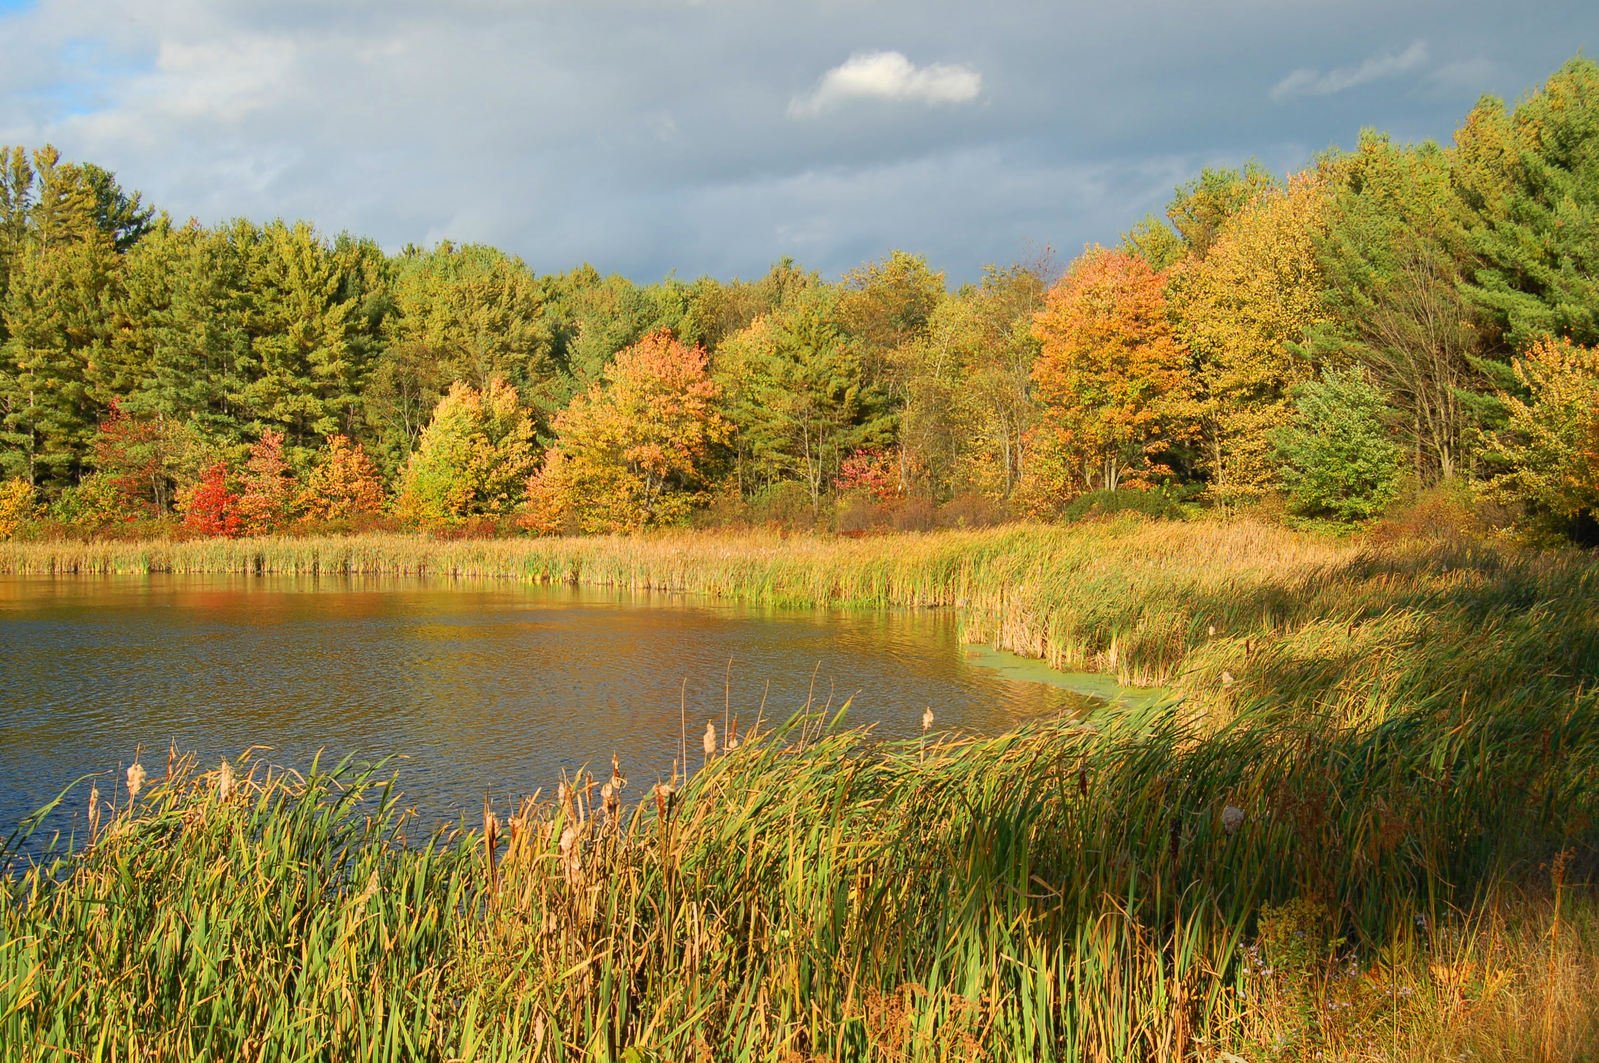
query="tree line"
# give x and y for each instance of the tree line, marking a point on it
(1391, 318)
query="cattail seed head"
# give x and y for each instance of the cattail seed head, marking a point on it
(1227, 679)
(927, 719)
(1232, 817)
(94, 810)
(710, 740)
(225, 782)
(663, 798)
(571, 854)
(136, 779)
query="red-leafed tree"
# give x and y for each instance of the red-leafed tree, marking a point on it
(870, 472)
(266, 503)
(211, 507)
(1110, 380)
(139, 457)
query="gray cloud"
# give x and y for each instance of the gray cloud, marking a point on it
(715, 136)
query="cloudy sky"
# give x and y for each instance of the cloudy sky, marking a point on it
(715, 136)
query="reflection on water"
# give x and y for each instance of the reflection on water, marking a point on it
(487, 689)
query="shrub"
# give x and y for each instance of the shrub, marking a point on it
(93, 504)
(1337, 458)
(1159, 504)
(17, 505)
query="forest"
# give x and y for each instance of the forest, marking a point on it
(1391, 320)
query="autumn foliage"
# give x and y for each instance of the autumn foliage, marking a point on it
(343, 484)
(266, 503)
(211, 506)
(1110, 380)
(633, 452)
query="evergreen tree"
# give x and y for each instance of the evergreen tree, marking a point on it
(1532, 178)
(1337, 458)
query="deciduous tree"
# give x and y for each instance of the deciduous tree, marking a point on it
(636, 451)
(343, 483)
(474, 457)
(1110, 380)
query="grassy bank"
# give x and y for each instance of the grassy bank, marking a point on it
(1056, 893)
(1370, 830)
(1233, 616)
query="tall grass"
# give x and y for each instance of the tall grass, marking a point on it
(1232, 616)
(1060, 892)
(1368, 829)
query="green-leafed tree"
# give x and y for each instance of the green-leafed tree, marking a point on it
(478, 314)
(590, 318)
(57, 325)
(182, 350)
(799, 396)
(474, 457)
(303, 377)
(1394, 256)
(1337, 458)
(1532, 178)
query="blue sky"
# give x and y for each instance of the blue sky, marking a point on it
(715, 136)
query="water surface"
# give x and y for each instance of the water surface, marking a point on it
(485, 689)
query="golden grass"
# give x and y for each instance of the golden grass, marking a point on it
(1369, 830)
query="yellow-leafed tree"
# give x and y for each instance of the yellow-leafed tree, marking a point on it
(633, 451)
(1243, 309)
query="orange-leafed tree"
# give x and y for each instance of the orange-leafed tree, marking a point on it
(1109, 379)
(266, 502)
(635, 450)
(210, 506)
(343, 484)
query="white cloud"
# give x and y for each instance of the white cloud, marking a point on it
(888, 76)
(1309, 82)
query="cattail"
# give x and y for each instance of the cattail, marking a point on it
(94, 810)
(136, 778)
(225, 782)
(612, 801)
(1227, 679)
(1211, 631)
(927, 720)
(1232, 817)
(491, 841)
(709, 743)
(571, 852)
(663, 798)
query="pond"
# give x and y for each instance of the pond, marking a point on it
(482, 688)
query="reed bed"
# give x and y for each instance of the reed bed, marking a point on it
(1366, 827)
(1232, 616)
(1136, 889)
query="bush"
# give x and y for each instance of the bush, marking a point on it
(1159, 504)
(1337, 458)
(784, 505)
(92, 505)
(974, 510)
(16, 505)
